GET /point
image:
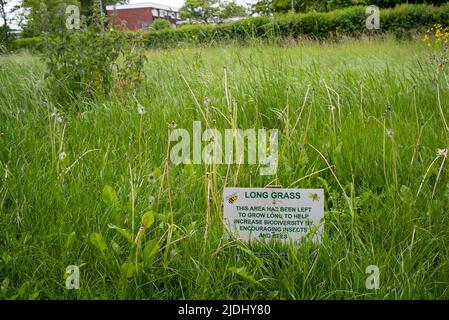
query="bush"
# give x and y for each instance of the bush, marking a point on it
(400, 20)
(6, 39)
(31, 44)
(161, 24)
(91, 63)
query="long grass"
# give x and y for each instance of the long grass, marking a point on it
(363, 120)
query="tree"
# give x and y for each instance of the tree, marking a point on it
(262, 7)
(5, 34)
(48, 16)
(3, 12)
(87, 5)
(229, 9)
(211, 10)
(199, 10)
(267, 7)
(45, 16)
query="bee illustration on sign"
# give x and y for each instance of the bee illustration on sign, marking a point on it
(314, 197)
(232, 198)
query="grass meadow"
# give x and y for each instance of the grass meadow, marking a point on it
(364, 120)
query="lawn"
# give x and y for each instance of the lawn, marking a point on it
(364, 120)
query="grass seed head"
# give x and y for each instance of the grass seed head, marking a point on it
(172, 125)
(442, 153)
(390, 133)
(140, 109)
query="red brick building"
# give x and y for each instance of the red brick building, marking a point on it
(140, 16)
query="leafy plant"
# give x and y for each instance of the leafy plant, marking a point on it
(91, 62)
(6, 39)
(97, 240)
(141, 251)
(161, 24)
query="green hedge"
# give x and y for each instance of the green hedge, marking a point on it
(349, 22)
(32, 44)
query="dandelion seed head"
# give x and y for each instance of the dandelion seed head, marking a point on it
(140, 109)
(390, 133)
(442, 153)
(172, 125)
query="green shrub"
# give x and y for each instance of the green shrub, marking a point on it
(32, 44)
(6, 39)
(161, 24)
(90, 63)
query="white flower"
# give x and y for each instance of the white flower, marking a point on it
(62, 156)
(140, 109)
(57, 115)
(172, 125)
(390, 133)
(442, 153)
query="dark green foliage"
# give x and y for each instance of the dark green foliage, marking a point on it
(88, 5)
(282, 6)
(90, 62)
(45, 16)
(349, 21)
(31, 44)
(6, 39)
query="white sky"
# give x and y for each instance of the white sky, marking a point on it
(174, 3)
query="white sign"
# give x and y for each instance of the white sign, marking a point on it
(273, 214)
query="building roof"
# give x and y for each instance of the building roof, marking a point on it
(142, 5)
